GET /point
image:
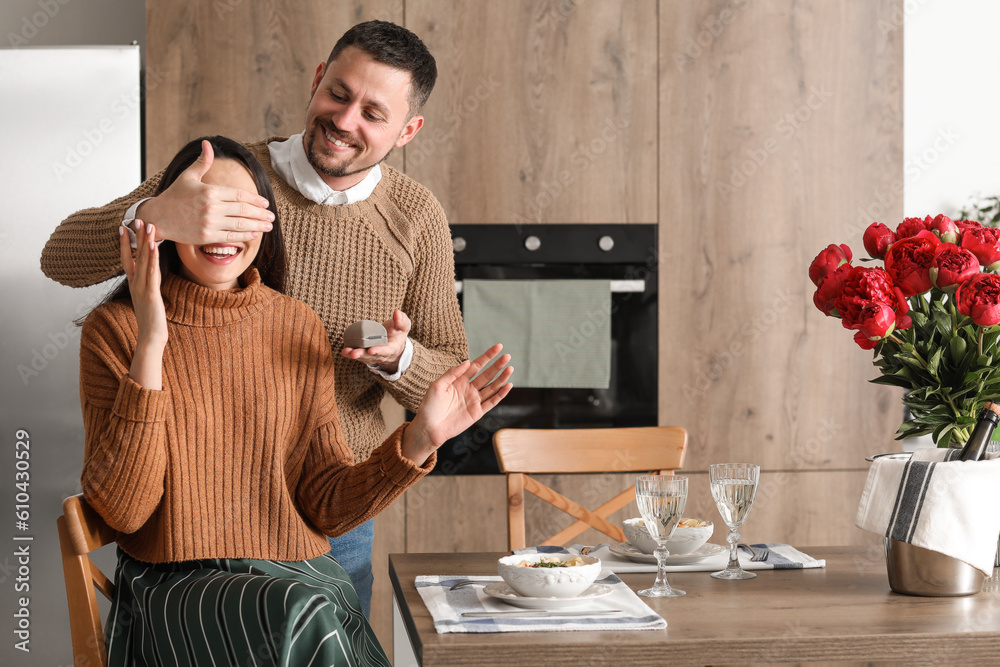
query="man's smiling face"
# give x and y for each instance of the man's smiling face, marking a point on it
(359, 112)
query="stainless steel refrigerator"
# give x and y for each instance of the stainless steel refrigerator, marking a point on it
(69, 139)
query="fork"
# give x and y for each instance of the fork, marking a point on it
(467, 582)
(757, 555)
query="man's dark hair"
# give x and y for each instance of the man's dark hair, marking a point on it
(397, 47)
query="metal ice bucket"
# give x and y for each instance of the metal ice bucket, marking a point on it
(914, 570)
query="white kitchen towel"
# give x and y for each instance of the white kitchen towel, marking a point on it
(447, 606)
(934, 502)
(780, 557)
(557, 332)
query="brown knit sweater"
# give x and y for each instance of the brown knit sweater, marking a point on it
(241, 454)
(348, 263)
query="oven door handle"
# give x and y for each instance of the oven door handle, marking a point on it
(617, 286)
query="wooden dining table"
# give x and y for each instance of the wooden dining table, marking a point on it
(843, 612)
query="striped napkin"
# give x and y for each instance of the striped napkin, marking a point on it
(447, 606)
(937, 503)
(781, 557)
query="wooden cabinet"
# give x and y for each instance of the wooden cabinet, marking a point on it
(545, 111)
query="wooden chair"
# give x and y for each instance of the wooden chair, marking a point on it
(82, 530)
(641, 450)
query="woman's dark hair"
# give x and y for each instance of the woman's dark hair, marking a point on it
(395, 46)
(270, 261)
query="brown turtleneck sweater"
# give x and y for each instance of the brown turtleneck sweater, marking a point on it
(348, 263)
(241, 454)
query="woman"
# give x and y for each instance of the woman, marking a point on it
(213, 447)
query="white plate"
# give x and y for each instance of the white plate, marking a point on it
(505, 593)
(626, 550)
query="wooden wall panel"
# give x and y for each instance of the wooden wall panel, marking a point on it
(468, 513)
(239, 68)
(794, 507)
(455, 513)
(779, 123)
(544, 111)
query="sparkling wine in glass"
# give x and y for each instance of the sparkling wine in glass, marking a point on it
(734, 487)
(661, 500)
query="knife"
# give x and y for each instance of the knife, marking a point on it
(542, 612)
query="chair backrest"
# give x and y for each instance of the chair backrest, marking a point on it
(521, 452)
(82, 530)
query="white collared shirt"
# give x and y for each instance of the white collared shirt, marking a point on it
(288, 158)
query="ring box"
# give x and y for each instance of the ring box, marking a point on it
(365, 333)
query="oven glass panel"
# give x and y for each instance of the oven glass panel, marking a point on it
(498, 252)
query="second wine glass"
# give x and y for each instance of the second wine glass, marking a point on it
(661, 500)
(734, 487)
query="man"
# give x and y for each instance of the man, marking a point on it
(363, 240)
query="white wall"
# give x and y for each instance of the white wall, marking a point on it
(951, 134)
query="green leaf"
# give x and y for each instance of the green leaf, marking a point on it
(942, 430)
(914, 433)
(935, 361)
(892, 381)
(942, 321)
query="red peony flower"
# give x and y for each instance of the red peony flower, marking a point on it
(827, 261)
(979, 298)
(863, 286)
(909, 261)
(952, 266)
(863, 341)
(877, 321)
(984, 242)
(912, 226)
(945, 229)
(878, 238)
(966, 224)
(830, 290)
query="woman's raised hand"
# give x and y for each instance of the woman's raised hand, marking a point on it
(455, 401)
(143, 274)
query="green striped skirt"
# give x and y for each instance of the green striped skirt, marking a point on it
(238, 612)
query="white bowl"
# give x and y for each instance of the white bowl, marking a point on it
(685, 540)
(548, 582)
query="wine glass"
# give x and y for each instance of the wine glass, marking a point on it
(734, 487)
(661, 500)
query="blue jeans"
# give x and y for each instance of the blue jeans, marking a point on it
(353, 551)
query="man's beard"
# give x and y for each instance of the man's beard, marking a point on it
(345, 169)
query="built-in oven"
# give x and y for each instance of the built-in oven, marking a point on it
(626, 256)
